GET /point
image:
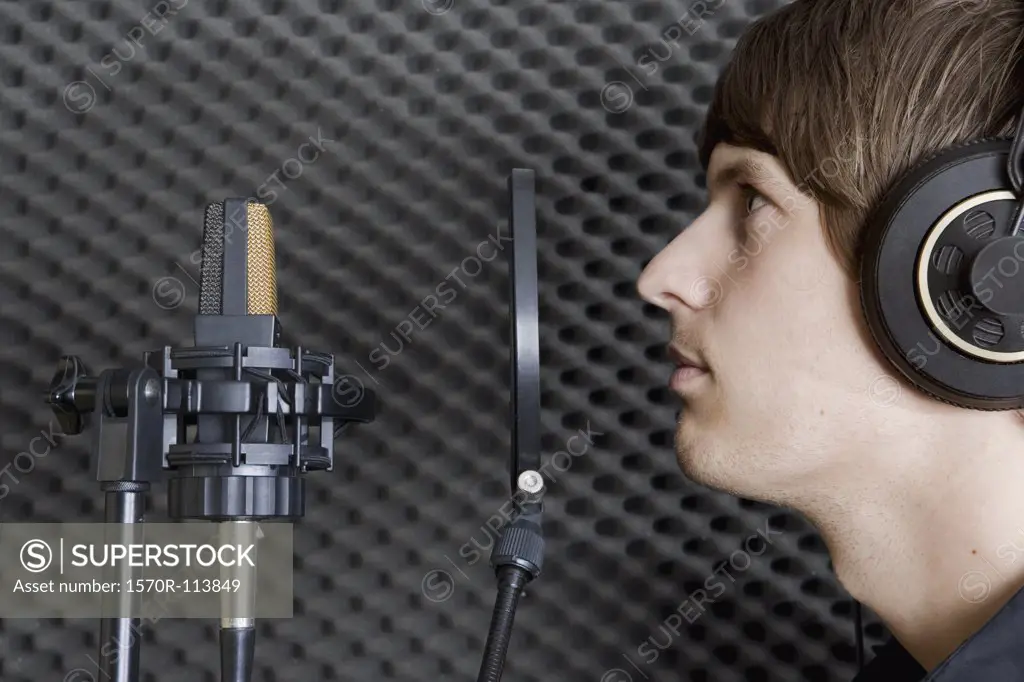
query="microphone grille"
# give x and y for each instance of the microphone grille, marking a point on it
(211, 273)
(262, 268)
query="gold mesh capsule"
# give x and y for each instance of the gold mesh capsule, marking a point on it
(261, 268)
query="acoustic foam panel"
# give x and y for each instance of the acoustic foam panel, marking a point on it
(380, 133)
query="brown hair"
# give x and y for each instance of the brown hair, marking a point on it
(872, 87)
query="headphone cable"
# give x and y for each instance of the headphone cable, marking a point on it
(1015, 169)
(858, 623)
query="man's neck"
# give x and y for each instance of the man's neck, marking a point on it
(930, 533)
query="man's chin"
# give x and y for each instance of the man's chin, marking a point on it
(728, 467)
(696, 460)
(713, 466)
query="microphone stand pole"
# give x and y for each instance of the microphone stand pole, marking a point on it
(128, 444)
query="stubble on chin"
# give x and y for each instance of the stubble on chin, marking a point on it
(691, 454)
(704, 461)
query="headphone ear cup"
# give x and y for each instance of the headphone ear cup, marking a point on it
(944, 221)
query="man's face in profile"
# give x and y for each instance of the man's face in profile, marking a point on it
(788, 379)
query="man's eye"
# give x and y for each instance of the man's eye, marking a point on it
(751, 198)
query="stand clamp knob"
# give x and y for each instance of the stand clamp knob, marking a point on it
(72, 394)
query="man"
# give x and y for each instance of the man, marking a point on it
(786, 399)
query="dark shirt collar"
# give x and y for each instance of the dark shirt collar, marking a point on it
(995, 652)
(892, 663)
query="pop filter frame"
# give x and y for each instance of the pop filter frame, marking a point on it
(524, 341)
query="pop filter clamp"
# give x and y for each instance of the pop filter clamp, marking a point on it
(249, 467)
(518, 555)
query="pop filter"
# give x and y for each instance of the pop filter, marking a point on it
(518, 554)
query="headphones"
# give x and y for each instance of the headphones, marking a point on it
(942, 274)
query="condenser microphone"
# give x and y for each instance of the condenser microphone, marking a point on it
(232, 423)
(238, 468)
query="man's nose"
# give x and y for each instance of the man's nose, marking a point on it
(683, 272)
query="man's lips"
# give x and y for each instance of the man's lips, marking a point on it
(684, 358)
(684, 377)
(689, 369)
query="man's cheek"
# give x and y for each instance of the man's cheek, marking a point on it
(744, 390)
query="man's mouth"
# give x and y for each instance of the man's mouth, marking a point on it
(690, 369)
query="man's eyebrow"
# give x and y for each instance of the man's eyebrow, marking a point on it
(748, 169)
